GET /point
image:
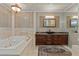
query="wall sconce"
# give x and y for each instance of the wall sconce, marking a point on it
(49, 17)
(75, 17)
(16, 8)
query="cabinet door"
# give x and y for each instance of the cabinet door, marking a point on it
(54, 39)
(62, 40)
(50, 40)
(40, 39)
(59, 40)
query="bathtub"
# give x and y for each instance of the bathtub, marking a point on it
(13, 45)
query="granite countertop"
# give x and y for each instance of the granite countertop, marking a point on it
(54, 33)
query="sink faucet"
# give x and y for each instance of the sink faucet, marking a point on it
(49, 30)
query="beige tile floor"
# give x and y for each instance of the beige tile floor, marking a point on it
(30, 51)
(75, 50)
(34, 51)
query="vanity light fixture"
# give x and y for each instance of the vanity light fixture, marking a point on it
(16, 8)
(76, 17)
(49, 17)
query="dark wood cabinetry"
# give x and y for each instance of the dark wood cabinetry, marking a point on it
(44, 39)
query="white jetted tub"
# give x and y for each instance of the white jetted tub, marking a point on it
(13, 46)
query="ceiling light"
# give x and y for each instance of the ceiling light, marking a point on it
(16, 8)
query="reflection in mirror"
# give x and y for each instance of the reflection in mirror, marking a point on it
(49, 23)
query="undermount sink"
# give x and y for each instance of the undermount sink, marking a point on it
(50, 32)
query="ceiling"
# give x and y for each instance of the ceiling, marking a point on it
(42, 7)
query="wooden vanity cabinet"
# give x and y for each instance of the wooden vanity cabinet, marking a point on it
(51, 39)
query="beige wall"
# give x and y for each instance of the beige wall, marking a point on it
(24, 20)
(5, 17)
(5, 22)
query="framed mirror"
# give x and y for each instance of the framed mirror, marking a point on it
(49, 21)
(73, 23)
